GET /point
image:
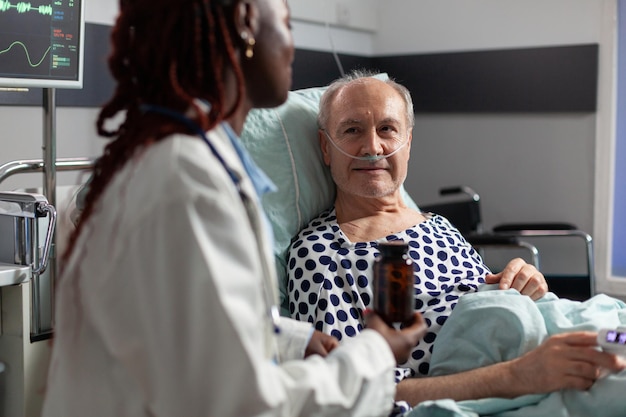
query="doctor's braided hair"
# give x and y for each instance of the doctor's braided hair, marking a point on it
(163, 54)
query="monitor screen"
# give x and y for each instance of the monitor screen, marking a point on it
(41, 43)
(613, 336)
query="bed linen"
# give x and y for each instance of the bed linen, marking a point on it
(494, 325)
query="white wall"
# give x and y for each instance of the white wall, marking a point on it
(101, 11)
(453, 25)
(22, 138)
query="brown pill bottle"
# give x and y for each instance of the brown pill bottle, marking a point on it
(393, 283)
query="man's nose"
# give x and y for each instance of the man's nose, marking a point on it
(371, 143)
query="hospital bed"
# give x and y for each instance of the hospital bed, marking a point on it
(284, 143)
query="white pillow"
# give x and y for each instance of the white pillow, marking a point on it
(283, 141)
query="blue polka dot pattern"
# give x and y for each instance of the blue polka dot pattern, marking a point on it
(329, 285)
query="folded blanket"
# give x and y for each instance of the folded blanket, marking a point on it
(494, 326)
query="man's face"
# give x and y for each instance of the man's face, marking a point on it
(367, 118)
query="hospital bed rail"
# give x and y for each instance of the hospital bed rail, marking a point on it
(37, 165)
(33, 166)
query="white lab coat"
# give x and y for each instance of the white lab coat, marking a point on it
(161, 310)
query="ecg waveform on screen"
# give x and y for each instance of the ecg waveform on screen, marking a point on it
(23, 7)
(18, 44)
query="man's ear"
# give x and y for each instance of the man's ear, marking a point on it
(324, 146)
(410, 139)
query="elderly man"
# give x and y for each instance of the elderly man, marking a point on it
(365, 131)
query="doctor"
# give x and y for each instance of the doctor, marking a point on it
(166, 304)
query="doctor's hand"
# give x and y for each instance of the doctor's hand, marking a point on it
(522, 277)
(402, 341)
(564, 361)
(320, 344)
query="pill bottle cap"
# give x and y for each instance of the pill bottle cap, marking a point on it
(393, 248)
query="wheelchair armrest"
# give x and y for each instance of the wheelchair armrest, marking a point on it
(547, 229)
(517, 227)
(489, 239)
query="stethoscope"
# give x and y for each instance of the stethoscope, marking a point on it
(251, 208)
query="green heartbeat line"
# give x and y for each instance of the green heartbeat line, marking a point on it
(27, 54)
(23, 7)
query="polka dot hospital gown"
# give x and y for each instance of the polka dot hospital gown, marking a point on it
(329, 278)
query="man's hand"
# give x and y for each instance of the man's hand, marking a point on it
(320, 344)
(522, 277)
(564, 361)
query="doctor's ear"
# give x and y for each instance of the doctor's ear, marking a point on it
(246, 16)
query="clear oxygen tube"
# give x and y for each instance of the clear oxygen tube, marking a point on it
(368, 158)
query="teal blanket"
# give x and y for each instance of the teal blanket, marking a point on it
(494, 326)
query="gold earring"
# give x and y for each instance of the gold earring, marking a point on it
(250, 42)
